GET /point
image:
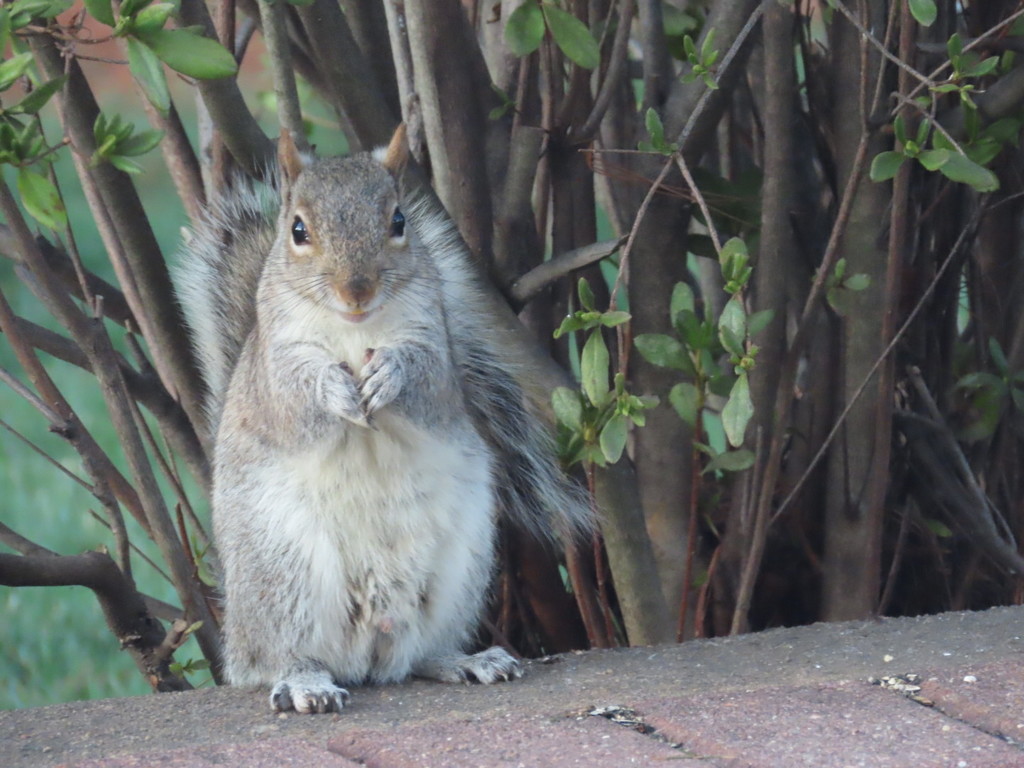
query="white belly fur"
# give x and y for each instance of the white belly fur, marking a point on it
(375, 521)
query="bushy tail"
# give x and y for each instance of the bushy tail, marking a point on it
(533, 492)
(217, 276)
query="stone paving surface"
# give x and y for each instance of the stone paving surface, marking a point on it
(790, 697)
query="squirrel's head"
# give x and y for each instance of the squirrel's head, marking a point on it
(343, 227)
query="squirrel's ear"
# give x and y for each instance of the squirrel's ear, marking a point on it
(396, 155)
(288, 158)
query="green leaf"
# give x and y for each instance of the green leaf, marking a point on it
(140, 143)
(738, 411)
(100, 10)
(708, 53)
(149, 74)
(613, 318)
(13, 68)
(923, 130)
(899, 129)
(923, 11)
(732, 327)
(954, 46)
(733, 257)
(857, 282)
(980, 380)
(586, 295)
(686, 399)
(524, 29)
(937, 527)
(730, 461)
(663, 350)
(38, 98)
(5, 27)
(758, 321)
(41, 199)
(573, 37)
(682, 299)
(964, 170)
(655, 129)
(24, 11)
(568, 408)
(124, 164)
(981, 68)
(152, 17)
(613, 437)
(885, 165)
(594, 364)
(934, 159)
(191, 54)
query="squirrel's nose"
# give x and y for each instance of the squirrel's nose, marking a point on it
(357, 291)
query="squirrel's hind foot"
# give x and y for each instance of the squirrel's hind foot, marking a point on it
(308, 692)
(485, 667)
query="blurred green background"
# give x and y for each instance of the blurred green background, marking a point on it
(56, 646)
(55, 643)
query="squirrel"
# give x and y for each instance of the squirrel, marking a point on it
(368, 434)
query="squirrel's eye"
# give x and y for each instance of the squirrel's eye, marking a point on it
(398, 224)
(300, 235)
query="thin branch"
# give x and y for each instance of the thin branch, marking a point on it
(684, 136)
(683, 141)
(78, 112)
(145, 558)
(695, 190)
(897, 337)
(883, 49)
(631, 238)
(19, 543)
(47, 457)
(275, 35)
(349, 81)
(613, 74)
(534, 281)
(935, 73)
(180, 158)
(64, 268)
(34, 400)
(244, 138)
(123, 606)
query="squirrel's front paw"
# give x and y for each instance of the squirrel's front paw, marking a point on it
(382, 379)
(340, 395)
(308, 697)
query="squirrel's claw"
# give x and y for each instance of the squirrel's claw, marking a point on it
(308, 699)
(382, 379)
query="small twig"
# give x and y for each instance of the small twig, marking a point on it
(681, 163)
(902, 100)
(881, 47)
(34, 400)
(631, 238)
(173, 640)
(681, 141)
(134, 548)
(34, 447)
(931, 78)
(734, 49)
(925, 296)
